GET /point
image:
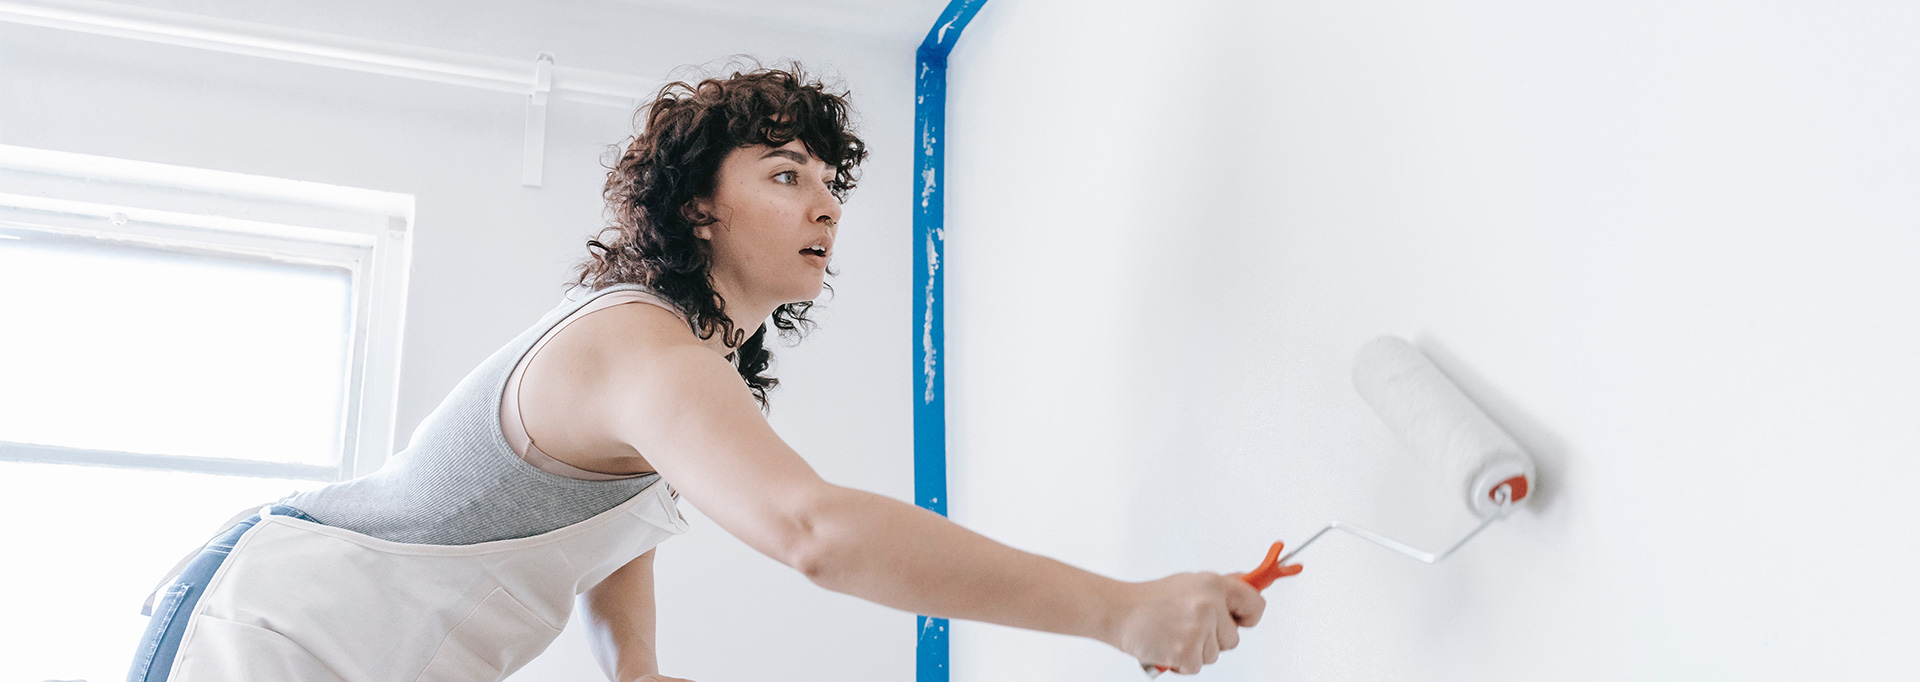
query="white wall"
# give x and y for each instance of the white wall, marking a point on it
(490, 256)
(1670, 246)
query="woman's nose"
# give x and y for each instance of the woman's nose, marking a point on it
(828, 210)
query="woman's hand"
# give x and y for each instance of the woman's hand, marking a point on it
(1184, 621)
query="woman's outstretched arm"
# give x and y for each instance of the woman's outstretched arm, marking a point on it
(655, 390)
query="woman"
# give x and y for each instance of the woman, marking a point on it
(544, 473)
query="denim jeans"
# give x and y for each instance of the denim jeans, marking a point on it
(153, 661)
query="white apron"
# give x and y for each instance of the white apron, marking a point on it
(298, 601)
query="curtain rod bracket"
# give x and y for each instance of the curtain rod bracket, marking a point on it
(534, 151)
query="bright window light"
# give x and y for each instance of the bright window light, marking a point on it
(161, 352)
(176, 345)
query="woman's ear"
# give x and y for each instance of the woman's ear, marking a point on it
(699, 212)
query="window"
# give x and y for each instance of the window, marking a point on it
(176, 345)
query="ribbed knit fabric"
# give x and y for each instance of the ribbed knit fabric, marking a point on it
(458, 482)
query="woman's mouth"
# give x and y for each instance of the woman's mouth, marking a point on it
(817, 255)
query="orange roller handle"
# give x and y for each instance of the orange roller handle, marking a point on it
(1260, 577)
(1270, 569)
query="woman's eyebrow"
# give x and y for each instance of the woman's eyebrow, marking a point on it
(789, 154)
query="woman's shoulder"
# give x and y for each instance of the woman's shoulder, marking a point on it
(593, 299)
(628, 324)
(620, 366)
(623, 326)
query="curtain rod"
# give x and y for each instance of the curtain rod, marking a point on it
(535, 79)
(325, 49)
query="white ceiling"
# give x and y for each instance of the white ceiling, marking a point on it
(891, 20)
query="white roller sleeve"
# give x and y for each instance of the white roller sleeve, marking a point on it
(1437, 422)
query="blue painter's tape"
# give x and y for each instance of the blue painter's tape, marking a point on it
(946, 31)
(929, 313)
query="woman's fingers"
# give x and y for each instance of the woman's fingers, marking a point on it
(1188, 665)
(1226, 632)
(1245, 603)
(1186, 621)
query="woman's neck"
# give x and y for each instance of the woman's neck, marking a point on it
(738, 308)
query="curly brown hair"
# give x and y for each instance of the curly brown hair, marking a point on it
(683, 135)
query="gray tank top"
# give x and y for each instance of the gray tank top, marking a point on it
(458, 482)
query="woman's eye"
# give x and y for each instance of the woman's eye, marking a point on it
(792, 178)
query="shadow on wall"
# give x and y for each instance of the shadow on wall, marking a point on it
(1198, 501)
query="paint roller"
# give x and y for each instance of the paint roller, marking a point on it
(1460, 445)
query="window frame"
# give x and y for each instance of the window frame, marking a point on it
(177, 208)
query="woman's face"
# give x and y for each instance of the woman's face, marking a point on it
(776, 226)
